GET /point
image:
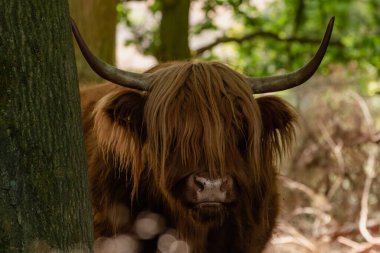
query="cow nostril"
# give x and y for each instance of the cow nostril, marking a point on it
(223, 187)
(199, 183)
(226, 184)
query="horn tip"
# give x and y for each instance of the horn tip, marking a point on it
(332, 20)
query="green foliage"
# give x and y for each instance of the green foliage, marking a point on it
(356, 33)
(144, 29)
(292, 24)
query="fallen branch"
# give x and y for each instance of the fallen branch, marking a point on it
(358, 247)
(370, 171)
(293, 237)
(318, 201)
(353, 230)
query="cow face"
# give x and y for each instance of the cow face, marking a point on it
(208, 144)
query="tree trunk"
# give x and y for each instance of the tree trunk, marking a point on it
(44, 198)
(96, 19)
(174, 30)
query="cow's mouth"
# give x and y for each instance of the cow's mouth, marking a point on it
(209, 204)
(209, 212)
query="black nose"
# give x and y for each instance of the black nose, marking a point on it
(210, 190)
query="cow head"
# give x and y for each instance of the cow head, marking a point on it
(196, 129)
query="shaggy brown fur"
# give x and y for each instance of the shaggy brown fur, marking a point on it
(197, 117)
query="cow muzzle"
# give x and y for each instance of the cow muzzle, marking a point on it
(205, 192)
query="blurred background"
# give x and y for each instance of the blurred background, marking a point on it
(330, 183)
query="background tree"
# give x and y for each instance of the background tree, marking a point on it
(167, 36)
(96, 20)
(174, 30)
(44, 199)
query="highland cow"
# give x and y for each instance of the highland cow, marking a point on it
(188, 141)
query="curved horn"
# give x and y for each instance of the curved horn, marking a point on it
(106, 71)
(287, 81)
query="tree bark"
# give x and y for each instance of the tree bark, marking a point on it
(44, 197)
(96, 19)
(174, 30)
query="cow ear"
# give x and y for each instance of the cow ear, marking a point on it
(127, 111)
(119, 125)
(278, 124)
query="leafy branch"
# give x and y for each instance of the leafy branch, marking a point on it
(262, 34)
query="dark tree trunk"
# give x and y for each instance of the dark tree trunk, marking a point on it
(44, 199)
(174, 30)
(96, 19)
